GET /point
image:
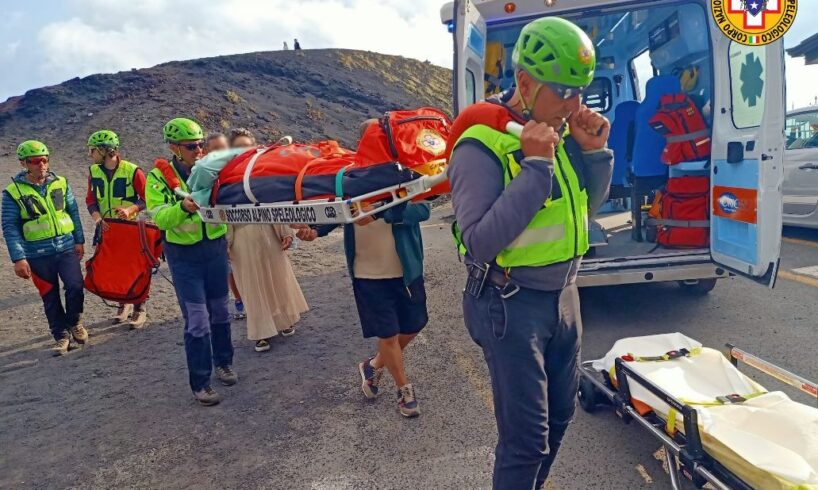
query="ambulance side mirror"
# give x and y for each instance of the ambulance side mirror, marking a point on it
(735, 152)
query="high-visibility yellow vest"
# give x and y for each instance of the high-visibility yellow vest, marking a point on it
(43, 217)
(117, 192)
(160, 197)
(559, 230)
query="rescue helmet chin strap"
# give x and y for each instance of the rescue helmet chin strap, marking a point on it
(526, 112)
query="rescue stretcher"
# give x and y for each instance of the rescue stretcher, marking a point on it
(329, 210)
(717, 425)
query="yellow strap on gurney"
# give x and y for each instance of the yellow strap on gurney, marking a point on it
(670, 425)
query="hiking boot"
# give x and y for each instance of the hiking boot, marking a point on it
(139, 316)
(407, 403)
(239, 314)
(207, 396)
(262, 345)
(122, 313)
(370, 378)
(60, 347)
(287, 332)
(227, 376)
(79, 333)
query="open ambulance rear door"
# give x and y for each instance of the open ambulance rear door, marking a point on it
(747, 157)
(469, 53)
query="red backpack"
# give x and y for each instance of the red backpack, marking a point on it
(680, 122)
(124, 260)
(684, 213)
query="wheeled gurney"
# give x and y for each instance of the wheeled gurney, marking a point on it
(717, 425)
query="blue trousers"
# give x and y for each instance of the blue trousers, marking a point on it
(200, 278)
(531, 343)
(46, 272)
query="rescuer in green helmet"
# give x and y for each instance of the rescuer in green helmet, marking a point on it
(197, 257)
(43, 233)
(522, 205)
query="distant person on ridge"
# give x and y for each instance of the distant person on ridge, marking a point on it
(43, 232)
(296, 45)
(116, 189)
(285, 46)
(197, 258)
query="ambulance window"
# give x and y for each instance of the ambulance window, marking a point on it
(598, 95)
(747, 78)
(641, 71)
(470, 87)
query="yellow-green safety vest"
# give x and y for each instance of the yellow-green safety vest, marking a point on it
(114, 193)
(43, 217)
(559, 230)
(191, 230)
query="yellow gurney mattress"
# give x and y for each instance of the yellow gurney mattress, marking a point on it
(769, 440)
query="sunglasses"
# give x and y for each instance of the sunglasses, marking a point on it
(564, 92)
(192, 146)
(36, 160)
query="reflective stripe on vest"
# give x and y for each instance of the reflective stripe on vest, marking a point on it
(189, 232)
(559, 231)
(43, 217)
(117, 192)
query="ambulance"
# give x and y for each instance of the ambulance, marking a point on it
(646, 50)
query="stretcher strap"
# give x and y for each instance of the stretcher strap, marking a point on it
(299, 191)
(339, 181)
(248, 170)
(669, 356)
(670, 425)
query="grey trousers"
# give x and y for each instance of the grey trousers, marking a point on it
(531, 343)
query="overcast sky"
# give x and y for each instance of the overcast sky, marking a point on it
(45, 42)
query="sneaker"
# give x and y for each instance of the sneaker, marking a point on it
(207, 396)
(79, 333)
(262, 346)
(139, 316)
(239, 314)
(227, 376)
(370, 378)
(287, 332)
(407, 403)
(123, 313)
(60, 347)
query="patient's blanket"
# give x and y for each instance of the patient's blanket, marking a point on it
(769, 440)
(397, 148)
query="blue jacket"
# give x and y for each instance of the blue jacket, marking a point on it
(20, 249)
(405, 220)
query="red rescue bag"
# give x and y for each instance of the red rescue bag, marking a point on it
(680, 122)
(125, 257)
(684, 210)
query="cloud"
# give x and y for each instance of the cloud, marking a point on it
(109, 36)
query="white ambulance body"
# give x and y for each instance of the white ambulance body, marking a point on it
(646, 49)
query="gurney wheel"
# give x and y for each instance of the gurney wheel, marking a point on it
(588, 395)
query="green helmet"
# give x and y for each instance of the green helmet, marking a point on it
(182, 129)
(554, 50)
(104, 138)
(31, 148)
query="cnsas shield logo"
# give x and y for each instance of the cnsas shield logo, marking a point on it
(754, 22)
(729, 203)
(431, 141)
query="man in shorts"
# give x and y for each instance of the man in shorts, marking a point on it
(384, 255)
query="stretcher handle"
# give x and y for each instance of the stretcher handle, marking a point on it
(179, 192)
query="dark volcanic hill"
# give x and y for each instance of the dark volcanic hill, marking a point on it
(317, 94)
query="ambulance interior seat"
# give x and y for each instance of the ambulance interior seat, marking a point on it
(647, 172)
(620, 142)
